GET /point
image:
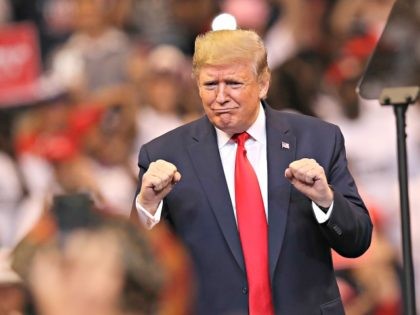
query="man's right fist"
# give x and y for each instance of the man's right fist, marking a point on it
(157, 182)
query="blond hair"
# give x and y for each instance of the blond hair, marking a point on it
(230, 46)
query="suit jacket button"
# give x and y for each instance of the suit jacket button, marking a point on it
(337, 229)
(244, 290)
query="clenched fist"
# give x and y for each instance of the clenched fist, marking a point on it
(307, 176)
(157, 182)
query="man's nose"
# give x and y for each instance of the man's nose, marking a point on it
(221, 96)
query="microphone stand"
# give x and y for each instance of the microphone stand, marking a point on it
(400, 98)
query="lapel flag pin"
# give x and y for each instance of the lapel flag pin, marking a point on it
(285, 145)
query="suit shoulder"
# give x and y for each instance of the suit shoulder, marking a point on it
(301, 121)
(174, 136)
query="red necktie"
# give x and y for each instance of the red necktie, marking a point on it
(252, 225)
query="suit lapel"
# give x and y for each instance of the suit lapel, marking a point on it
(281, 151)
(205, 157)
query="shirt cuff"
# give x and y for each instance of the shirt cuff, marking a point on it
(146, 217)
(320, 215)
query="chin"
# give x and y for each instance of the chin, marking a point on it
(228, 124)
(231, 130)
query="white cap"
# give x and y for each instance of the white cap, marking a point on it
(166, 58)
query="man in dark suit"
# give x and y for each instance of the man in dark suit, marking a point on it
(310, 204)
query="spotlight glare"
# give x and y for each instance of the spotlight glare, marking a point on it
(224, 21)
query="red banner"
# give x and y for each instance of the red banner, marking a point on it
(19, 64)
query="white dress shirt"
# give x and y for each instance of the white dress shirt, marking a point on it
(256, 152)
(256, 147)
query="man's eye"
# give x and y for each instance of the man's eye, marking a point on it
(234, 85)
(210, 85)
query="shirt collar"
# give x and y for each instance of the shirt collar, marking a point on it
(256, 131)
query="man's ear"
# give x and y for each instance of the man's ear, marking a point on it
(264, 83)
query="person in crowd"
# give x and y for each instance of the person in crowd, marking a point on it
(259, 197)
(162, 86)
(80, 259)
(94, 57)
(106, 269)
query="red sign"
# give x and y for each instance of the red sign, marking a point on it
(19, 63)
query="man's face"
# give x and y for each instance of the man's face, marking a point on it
(231, 95)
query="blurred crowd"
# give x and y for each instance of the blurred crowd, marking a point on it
(115, 74)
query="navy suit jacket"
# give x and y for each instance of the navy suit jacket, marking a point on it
(200, 211)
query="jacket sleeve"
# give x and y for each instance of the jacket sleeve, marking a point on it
(349, 228)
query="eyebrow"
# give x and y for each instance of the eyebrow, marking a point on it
(228, 81)
(208, 82)
(233, 81)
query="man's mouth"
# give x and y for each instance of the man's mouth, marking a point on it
(223, 110)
